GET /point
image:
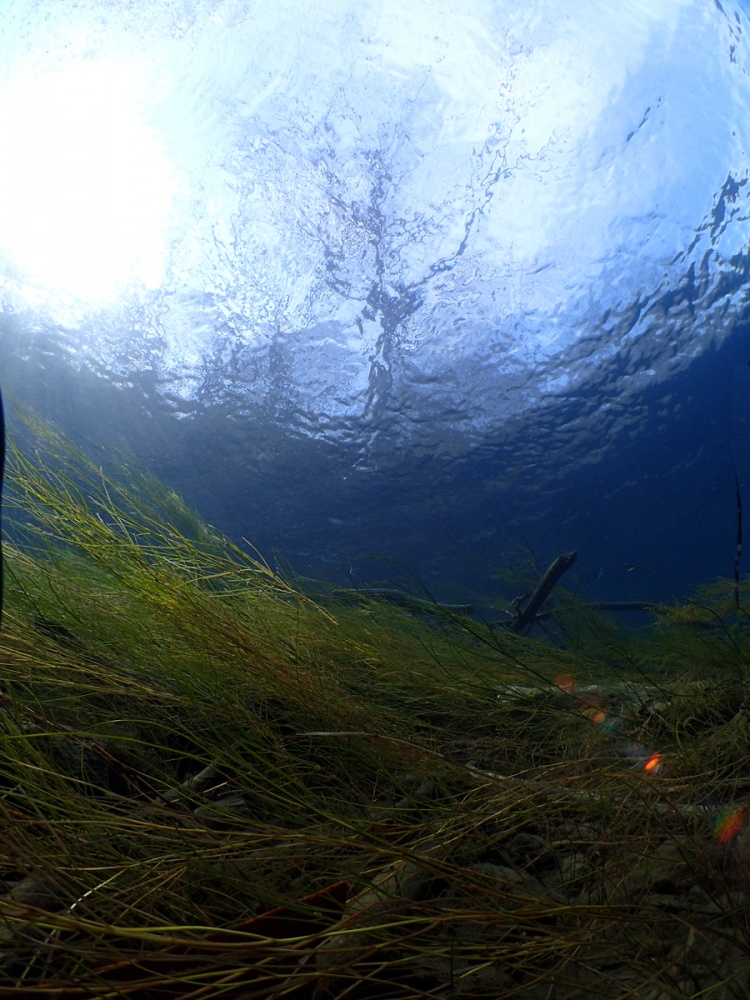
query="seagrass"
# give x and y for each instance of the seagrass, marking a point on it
(220, 780)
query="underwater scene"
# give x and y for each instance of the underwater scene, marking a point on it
(375, 463)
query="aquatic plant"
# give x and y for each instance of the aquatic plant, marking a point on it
(212, 784)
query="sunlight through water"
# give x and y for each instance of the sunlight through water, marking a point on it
(90, 188)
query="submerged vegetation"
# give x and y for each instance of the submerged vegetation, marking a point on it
(213, 784)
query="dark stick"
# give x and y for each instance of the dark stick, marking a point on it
(390, 595)
(525, 618)
(588, 606)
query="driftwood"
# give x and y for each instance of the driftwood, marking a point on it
(526, 617)
(624, 605)
(587, 606)
(401, 599)
(516, 620)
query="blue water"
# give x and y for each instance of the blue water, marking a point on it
(455, 290)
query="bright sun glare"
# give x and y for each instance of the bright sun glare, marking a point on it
(85, 188)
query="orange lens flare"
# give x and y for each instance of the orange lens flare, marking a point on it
(565, 683)
(590, 705)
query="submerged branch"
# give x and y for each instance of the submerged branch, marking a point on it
(526, 617)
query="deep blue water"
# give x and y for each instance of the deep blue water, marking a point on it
(440, 293)
(650, 519)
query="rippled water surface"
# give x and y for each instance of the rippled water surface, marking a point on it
(430, 282)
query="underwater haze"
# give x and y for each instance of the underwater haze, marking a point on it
(442, 283)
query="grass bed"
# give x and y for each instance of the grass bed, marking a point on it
(215, 785)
